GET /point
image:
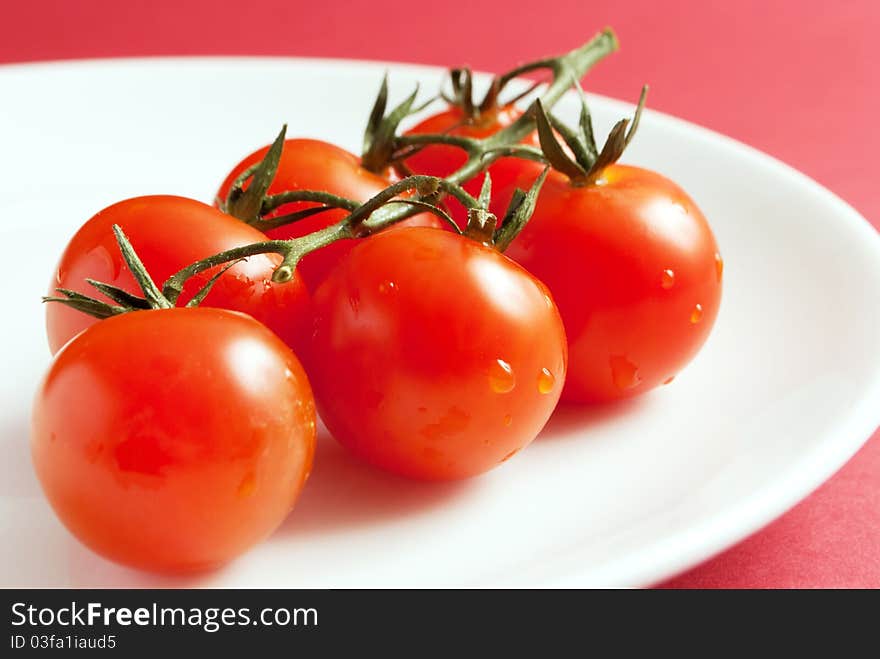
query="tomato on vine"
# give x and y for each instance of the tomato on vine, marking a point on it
(170, 233)
(171, 439)
(464, 118)
(309, 164)
(435, 356)
(631, 261)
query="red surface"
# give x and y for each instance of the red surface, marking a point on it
(797, 80)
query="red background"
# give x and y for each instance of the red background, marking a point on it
(795, 79)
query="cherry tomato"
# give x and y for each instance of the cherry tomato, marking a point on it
(635, 270)
(442, 159)
(170, 233)
(173, 440)
(435, 357)
(307, 164)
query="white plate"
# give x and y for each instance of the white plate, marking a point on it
(786, 389)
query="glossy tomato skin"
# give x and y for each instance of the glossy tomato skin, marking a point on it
(442, 159)
(170, 233)
(308, 164)
(435, 357)
(635, 270)
(173, 440)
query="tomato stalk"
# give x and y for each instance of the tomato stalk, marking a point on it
(385, 209)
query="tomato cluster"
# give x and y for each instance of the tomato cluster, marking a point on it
(171, 437)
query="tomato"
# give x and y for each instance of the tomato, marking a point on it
(636, 273)
(442, 159)
(436, 357)
(307, 164)
(173, 440)
(170, 233)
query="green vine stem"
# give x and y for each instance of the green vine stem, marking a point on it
(566, 71)
(386, 209)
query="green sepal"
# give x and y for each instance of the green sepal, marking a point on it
(246, 204)
(85, 304)
(618, 139)
(139, 272)
(485, 192)
(379, 138)
(553, 151)
(120, 296)
(520, 210)
(587, 165)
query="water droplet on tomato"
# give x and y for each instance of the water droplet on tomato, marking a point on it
(548, 300)
(546, 380)
(267, 284)
(697, 314)
(387, 287)
(624, 373)
(667, 279)
(508, 420)
(719, 266)
(501, 377)
(669, 379)
(681, 208)
(247, 486)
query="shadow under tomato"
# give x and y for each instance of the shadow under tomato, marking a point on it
(571, 417)
(17, 478)
(344, 491)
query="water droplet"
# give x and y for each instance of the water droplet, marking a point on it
(387, 287)
(697, 314)
(681, 208)
(667, 279)
(508, 420)
(267, 284)
(669, 379)
(546, 380)
(719, 266)
(288, 374)
(510, 455)
(501, 377)
(624, 373)
(247, 486)
(548, 300)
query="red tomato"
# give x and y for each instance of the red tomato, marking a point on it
(442, 159)
(173, 440)
(435, 357)
(315, 165)
(170, 233)
(635, 270)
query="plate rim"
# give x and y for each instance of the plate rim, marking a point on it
(670, 555)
